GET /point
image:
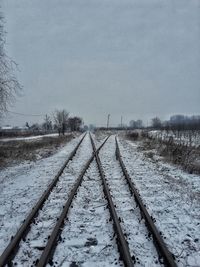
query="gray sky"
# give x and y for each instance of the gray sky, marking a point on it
(135, 58)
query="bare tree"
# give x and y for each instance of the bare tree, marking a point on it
(156, 123)
(47, 125)
(61, 120)
(9, 86)
(136, 124)
(75, 123)
(36, 127)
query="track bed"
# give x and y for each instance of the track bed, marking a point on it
(91, 216)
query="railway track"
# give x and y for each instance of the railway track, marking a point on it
(56, 185)
(146, 245)
(87, 238)
(71, 222)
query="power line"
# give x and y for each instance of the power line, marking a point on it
(22, 114)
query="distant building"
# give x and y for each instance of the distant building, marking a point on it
(6, 127)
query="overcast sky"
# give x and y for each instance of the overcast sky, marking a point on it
(135, 58)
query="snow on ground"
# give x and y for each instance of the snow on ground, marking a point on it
(29, 138)
(172, 198)
(141, 245)
(36, 239)
(88, 237)
(22, 185)
(187, 138)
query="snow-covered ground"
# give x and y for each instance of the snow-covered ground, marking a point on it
(187, 138)
(172, 197)
(22, 185)
(29, 138)
(140, 244)
(36, 239)
(88, 238)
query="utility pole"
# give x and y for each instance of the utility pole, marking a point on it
(108, 120)
(46, 124)
(121, 121)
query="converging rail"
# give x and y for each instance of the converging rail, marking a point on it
(159, 243)
(12, 248)
(51, 244)
(122, 243)
(47, 254)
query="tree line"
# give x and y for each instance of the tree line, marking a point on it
(60, 121)
(177, 123)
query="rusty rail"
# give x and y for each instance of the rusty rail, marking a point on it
(51, 244)
(122, 243)
(12, 248)
(159, 243)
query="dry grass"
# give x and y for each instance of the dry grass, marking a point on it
(133, 135)
(185, 156)
(13, 152)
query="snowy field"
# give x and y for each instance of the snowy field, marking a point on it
(22, 185)
(171, 196)
(29, 138)
(188, 138)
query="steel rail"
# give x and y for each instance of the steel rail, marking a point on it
(122, 243)
(159, 243)
(51, 244)
(12, 248)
